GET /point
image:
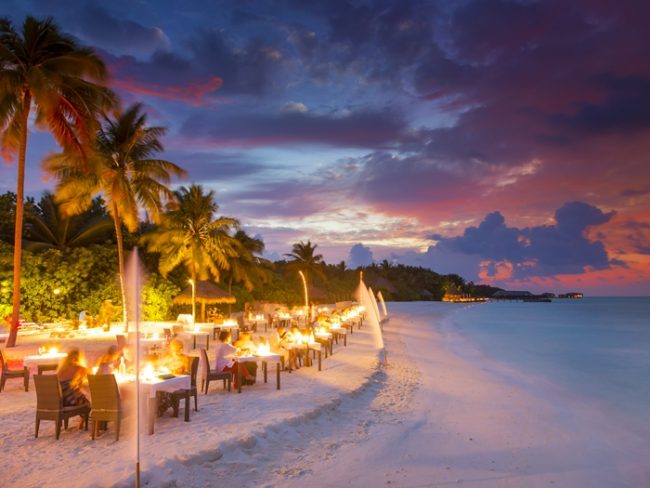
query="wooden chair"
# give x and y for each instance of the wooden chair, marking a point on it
(121, 342)
(49, 404)
(209, 375)
(168, 335)
(46, 367)
(106, 404)
(13, 373)
(187, 394)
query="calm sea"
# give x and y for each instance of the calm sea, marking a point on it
(595, 347)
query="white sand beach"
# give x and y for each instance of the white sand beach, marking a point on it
(428, 418)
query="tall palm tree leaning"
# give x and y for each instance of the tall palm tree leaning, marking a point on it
(124, 170)
(43, 69)
(191, 235)
(304, 259)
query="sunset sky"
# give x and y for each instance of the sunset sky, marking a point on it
(506, 141)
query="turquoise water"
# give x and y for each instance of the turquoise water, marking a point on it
(595, 347)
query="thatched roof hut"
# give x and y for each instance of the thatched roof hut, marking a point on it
(206, 293)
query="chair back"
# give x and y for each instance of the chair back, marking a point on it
(206, 363)
(193, 369)
(104, 393)
(121, 342)
(48, 392)
(3, 365)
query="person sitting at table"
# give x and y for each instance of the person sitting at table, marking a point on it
(109, 361)
(71, 375)
(246, 345)
(175, 361)
(224, 348)
(280, 345)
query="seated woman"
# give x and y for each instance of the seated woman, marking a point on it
(108, 362)
(71, 375)
(224, 348)
(248, 369)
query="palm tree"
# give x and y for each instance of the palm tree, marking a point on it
(43, 69)
(124, 170)
(49, 229)
(247, 267)
(189, 234)
(305, 260)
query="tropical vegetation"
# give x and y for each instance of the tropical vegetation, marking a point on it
(124, 169)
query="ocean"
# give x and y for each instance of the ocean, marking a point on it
(596, 349)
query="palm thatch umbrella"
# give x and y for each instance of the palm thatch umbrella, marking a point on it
(206, 293)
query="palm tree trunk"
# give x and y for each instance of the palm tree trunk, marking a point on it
(120, 262)
(194, 285)
(18, 227)
(230, 294)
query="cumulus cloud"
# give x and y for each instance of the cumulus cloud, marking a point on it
(494, 251)
(360, 255)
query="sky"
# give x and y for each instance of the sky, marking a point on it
(505, 141)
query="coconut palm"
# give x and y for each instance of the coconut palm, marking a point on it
(191, 235)
(304, 259)
(247, 267)
(49, 229)
(124, 170)
(43, 69)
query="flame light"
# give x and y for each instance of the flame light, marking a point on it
(148, 372)
(263, 350)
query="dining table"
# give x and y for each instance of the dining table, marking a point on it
(149, 386)
(49, 360)
(265, 359)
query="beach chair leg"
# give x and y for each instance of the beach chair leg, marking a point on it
(319, 360)
(118, 421)
(57, 429)
(187, 408)
(152, 408)
(38, 424)
(265, 368)
(277, 375)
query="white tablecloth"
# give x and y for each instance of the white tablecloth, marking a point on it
(149, 388)
(43, 359)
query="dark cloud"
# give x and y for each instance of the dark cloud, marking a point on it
(209, 63)
(626, 108)
(547, 250)
(97, 26)
(356, 129)
(216, 167)
(360, 255)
